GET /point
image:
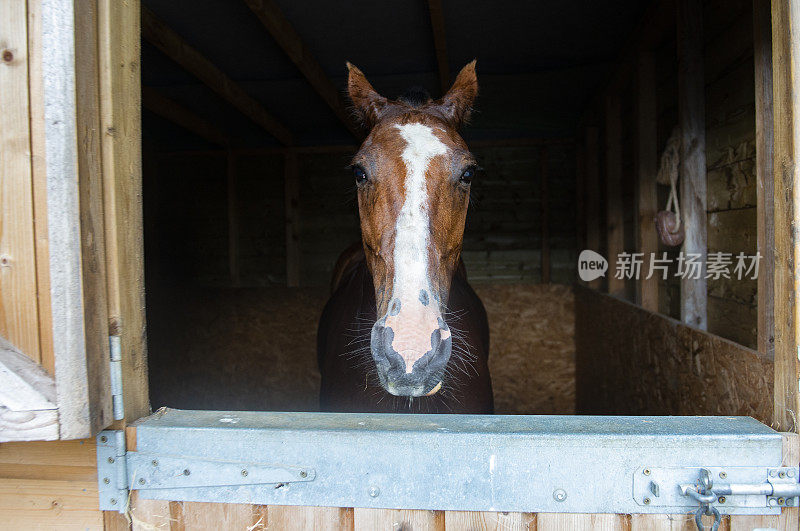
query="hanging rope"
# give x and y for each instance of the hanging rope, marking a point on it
(668, 173)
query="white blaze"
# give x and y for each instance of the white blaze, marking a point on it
(411, 236)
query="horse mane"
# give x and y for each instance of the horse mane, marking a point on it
(415, 97)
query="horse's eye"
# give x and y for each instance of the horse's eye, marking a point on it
(467, 175)
(359, 174)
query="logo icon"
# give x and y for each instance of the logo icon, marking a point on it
(591, 265)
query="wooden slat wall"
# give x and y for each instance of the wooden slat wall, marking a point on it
(630, 361)
(19, 310)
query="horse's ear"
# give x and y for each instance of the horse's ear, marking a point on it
(456, 105)
(369, 105)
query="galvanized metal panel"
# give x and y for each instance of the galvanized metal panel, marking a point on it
(454, 462)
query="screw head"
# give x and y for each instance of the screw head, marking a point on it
(111, 460)
(154, 462)
(303, 474)
(244, 473)
(106, 481)
(773, 473)
(142, 481)
(186, 472)
(790, 473)
(789, 502)
(646, 471)
(113, 501)
(723, 475)
(781, 474)
(374, 491)
(721, 499)
(559, 495)
(781, 501)
(103, 439)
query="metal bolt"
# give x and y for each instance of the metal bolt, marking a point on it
(646, 471)
(111, 460)
(559, 495)
(142, 481)
(781, 501)
(244, 473)
(106, 481)
(723, 475)
(647, 501)
(721, 499)
(782, 474)
(103, 439)
(186, 472)
(154, 462)
(303, 474)
(374, 491)
(113, 501)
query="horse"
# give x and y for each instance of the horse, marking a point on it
(403, 331)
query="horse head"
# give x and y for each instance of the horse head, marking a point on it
(413, 174)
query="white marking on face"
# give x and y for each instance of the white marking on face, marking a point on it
(411, 236)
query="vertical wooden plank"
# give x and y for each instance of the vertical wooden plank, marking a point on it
(646, 168)
(583, 522)
(545, 213)
(299, 518)
(39, 171)
(233, 220)
(786, 108)
(488, 521)
(393, 519)
(592, 193)
(198, 516)
(292, 196)
(19, 315)
(119, 51)
(762, 57)
(614, 220)
(691, 117)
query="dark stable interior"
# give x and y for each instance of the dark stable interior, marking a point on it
(225, 331)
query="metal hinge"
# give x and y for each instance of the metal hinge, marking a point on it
(115, 349)
(119, 472)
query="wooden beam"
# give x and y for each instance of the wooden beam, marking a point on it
(173, 46)
(691, 117)
(646, 169)
(155, 102)
(292, 198)
(591, 135)
(762, 58)
(786, 110)
(289, 40)
(545, 213)
(614, 220)
(440, 43)
(233, 220)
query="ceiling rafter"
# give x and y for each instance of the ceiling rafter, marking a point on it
(440, 43)
(159, 104)
(172, 45)
(289, 40)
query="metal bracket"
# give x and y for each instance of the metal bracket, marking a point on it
(115, 349)
(111, 473)
(729, 487)
(119, 472)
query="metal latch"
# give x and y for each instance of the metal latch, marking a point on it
(716, 490)
(119, 472)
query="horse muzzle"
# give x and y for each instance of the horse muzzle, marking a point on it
(406, 367)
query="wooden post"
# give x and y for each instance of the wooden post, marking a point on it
(545, 211)
(592, 165)
(762, 56)
(233, 221)
(440, 43)
(291, 195)
(786, 109)
(614, 220)
(646, 169)
(691, 116)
